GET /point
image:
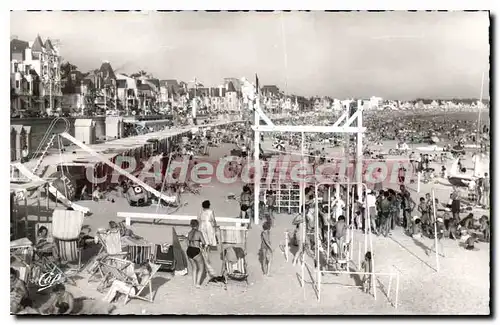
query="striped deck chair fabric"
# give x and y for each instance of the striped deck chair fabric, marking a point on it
(238, 267)
(66, 228)
(112, 242)
(139, 250)
(233, 235)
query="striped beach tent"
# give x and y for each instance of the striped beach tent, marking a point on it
(66, 228)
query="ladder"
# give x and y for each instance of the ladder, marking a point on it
(48, 134)
(44, 152)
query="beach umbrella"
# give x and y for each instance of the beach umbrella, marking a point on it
(279, 145)
(136, 195)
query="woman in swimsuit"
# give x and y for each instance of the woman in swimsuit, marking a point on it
(193, 252)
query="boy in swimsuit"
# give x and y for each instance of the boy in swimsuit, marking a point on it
(265, 247)
(366, 267)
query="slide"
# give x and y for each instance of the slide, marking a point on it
(26, 172)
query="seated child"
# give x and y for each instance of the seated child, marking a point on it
(469, 243)
(485, 228)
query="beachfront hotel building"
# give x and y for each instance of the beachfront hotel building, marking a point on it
(127, 92)
(35, 76)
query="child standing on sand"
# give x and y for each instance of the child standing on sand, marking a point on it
(440, 235)
(366, 267)
(265, 247)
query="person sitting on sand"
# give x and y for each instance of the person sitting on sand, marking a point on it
(469, 242)
(467, 222)
(61, 302)
(96, 195)
(18, 292)
(485, 228)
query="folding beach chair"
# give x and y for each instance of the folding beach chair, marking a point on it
(232, 241)
(143, 283)
(111, 244)
(137, 250)
(66, 228)
(113, 268)
(21, 252)
(111, 249)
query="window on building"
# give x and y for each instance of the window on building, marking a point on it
(15, 67)
(73, 76)
(27, 69)
(17, 84)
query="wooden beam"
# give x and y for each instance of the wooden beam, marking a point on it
(155, 216)
(308, 128)
(340, 120)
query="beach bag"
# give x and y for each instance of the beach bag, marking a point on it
(164, 256)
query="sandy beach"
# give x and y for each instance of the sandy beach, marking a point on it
(461, 286)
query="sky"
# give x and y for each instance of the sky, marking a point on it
(393, 55)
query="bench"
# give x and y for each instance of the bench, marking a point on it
(128, 216)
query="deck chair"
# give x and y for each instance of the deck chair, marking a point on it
(111, 249)
(111, 243)
(113, 268)
(66, 228)
(143, 283)
(21, 252)
(232, 241)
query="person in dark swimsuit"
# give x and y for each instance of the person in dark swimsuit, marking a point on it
(245, 204)
(193, 252)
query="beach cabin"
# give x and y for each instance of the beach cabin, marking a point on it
(85, 131)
